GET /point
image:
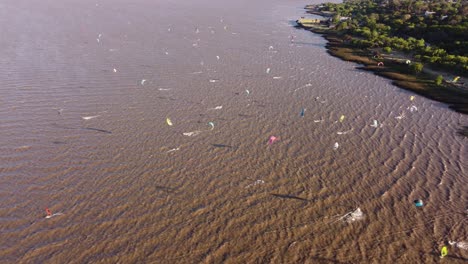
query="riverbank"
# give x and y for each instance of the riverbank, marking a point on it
(396, 69)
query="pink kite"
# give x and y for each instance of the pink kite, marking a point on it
(272, 139)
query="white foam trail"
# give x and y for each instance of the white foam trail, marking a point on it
(318, 121)
(56, 214)
(277, 77)
(355, 215)
(401, 116)
(172, 150)
(217, 107)
(463, 245)
(255, 183)
(344, 132)
(89, 117)
(307, 85)
(213, 80)
(193, 133)
(162, 89)
(351, 216)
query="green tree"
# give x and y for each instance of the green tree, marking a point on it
(342, 26)
(405, 17)
(439, 80)
(416, 67)
(420, 44)
(336, 18)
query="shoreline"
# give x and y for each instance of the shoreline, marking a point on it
(455, 96)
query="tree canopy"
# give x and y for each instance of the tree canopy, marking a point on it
(434, 31)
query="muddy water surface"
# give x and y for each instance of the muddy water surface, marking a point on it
(83, 135)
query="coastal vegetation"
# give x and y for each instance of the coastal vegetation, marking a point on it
(434, 32)
(409, 41)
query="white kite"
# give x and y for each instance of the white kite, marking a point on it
(336, 146)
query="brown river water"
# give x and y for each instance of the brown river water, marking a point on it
(126, 187)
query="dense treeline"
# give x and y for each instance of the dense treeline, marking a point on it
(434, 31)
